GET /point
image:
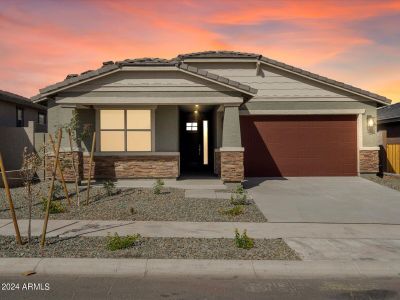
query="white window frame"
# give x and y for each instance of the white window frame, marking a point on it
(98, 130)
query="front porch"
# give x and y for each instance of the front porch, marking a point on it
(183, 141)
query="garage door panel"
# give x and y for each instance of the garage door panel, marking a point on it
(300, 145)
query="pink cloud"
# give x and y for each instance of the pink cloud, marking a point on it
(40, 44)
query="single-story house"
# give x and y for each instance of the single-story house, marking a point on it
(232, 113)
(389, 138)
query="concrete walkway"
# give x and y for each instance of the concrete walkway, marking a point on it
(206, 183)
(199, 268)
(313, 242)
(206, 229)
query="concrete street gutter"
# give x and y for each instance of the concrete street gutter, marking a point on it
(199, 268)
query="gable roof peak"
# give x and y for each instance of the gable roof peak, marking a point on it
(146, 61)
(218, 54)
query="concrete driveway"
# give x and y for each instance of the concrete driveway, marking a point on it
(325, 200)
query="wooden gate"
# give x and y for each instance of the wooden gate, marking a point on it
(393, 158)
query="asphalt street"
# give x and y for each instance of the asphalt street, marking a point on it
(75, 287)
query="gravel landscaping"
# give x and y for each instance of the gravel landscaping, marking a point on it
(138, 204)
(386, 180)
(167, 248)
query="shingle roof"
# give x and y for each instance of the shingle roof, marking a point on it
(235, 54)
(147, 61)
(389, 112)
(110, 66)
(218, 54)
(325, 79)
(20, 100)
(215, 77)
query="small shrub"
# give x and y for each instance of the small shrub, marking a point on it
(56, 207)
(242, 240)
(117, 242)
(234, 211)
(158, 186)
(57, 191)
(239, 196)
(109, 187)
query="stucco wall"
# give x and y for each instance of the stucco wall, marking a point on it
(13, 141)
(8, 114)
(167, 129)
(58, 116)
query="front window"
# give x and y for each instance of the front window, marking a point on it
(41, 118)
(20, 117)
(125, 130)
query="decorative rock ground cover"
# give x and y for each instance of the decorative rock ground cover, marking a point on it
(167, 248)
(389, 181)
(138, 204)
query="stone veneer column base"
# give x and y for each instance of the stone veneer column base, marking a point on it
(66, 165)
(232, 168)
(217, 162)
(115, 167)
(369, 161)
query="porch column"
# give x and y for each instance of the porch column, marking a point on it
(231, 152)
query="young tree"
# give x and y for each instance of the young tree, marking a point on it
(51, 189)
(76, 133)
(31, 162)
(10, 202)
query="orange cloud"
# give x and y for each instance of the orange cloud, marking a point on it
(43, 42)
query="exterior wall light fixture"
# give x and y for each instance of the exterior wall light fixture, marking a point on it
(371, 124)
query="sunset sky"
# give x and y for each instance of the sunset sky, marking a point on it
(357, 42)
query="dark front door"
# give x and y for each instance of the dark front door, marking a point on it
(195, 142)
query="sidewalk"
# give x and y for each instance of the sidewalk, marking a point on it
(206, 229)
(199, 268)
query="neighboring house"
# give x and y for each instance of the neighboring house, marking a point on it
(20, 119)
(389, 138)
(235, 114)
(17, 111)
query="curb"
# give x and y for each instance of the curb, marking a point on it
(199, 268)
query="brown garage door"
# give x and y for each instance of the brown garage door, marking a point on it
(299, 145)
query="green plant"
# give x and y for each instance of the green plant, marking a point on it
(234, 211)
(158, 186)
(243, 240)
(57, 191)
(132, 210)
(239, 196)
(117, 242)
(56, 207)
(109, 187)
